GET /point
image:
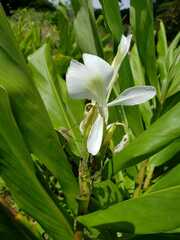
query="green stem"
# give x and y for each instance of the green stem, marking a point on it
(140, 179)
(85, 187)
(148, 178)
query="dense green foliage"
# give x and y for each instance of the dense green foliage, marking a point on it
(50, 186)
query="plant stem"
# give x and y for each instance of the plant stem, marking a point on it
(78, 235)
(140, 179)
(85, 187)
(148, 177)
(84, 195)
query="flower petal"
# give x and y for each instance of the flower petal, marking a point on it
(123, 49)
(95, 136)
(77, 79)
(134, 95)
(99, 66)
(122, 144)
(84, 82)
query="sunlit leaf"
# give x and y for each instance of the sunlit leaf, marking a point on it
(30, 113)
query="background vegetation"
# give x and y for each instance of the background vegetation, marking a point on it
(40, 150)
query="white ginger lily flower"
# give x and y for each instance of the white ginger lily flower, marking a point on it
(94, 80)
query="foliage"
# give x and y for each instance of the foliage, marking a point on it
(130, 187)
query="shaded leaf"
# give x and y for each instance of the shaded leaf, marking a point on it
(165, 154)
(152, 213)
(86, 32)
(142, 25)
(113, 18)
(18, 172)
(171, 179)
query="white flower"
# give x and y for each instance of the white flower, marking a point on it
(94, 80)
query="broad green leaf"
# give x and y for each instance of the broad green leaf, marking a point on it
(113, 18)
(139, 79)
(171, 179)
(159, 135)
(18, 172)
(45, 78)
(86, 31)
(165, 154)
(31, 115)
(152, 213)
(162, 236)
(9, 46)
(142, 25)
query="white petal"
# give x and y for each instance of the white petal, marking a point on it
(82, 83)
(122, 144)
(99, 66)
(125, 44)
(134, 95)
(123, 49)
(95, 136)
(77, 78)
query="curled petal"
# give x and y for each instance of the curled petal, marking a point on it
(134, 96)
(95, 136)
(122, 144)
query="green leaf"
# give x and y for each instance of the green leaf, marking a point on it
(142, 25)
(165, 154)
(113, 18)
(18, 172)
(171, 49)
(45, 79)
(86, 31)
(162, 46)
(168, 67)
(159, 135)
(76, 4)
(165, 236)
(139, 79)
(132, 113)
(171, 179)
(173, 65)
(31, 115)
(152, 213)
